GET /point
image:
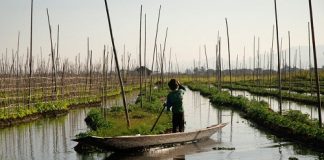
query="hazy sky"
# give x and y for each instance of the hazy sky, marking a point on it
(191, 23)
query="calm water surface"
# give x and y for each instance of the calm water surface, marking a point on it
(311, 110)
(51, 138)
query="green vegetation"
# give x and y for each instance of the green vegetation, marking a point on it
(293, 124)
(299, 87)
(141, 118)
(96, 120)
(306, 99)
(37, 108)
(59, 105)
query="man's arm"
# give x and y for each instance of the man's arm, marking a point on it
(181, 86)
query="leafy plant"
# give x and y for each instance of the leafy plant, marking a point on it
(95, 120)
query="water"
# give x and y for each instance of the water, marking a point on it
(311, 110)
(51, 138)
(249, 141)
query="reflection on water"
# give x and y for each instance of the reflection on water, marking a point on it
(51, 138)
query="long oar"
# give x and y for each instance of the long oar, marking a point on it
(158, 118)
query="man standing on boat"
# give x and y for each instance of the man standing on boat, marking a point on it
(174, 100)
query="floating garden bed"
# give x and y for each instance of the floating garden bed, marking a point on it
(293, 124)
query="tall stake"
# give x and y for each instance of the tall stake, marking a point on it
(315, 65)
(259, 68)
(57, 56)
(162, 58)
(253, 72)
(216, 64)
(289, 64)
(229, 55)
(104, 74)
(53, 56)
(236, 75)
(31, 51)
(207, 66)
(140, 56)
(145, 71)
(279, 71)
(87, 65)
(219, 65)
(310, 62)
(154, 51)
(244, 68)
(271, 56)
(117, 66)
(17, 80)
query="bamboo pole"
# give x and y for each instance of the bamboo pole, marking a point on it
(253, 71)
(154, 52)
(310, 62)
(123, 64)
(244, 68)
(176, 58)
(87, 65)
(104, 74)
(140, 57)
(236, 65)
(300, 62)
(145, 71)
(259, 68)
(30, 52)
(315, 65)
(57, 55)
(279, 70)
(162, 58)
(289, 66)
(229, 55)
(17, 72)
(128, 63)
(216, 63)
(62, 80)
(271, 56)
(53, 56)
(117, 66)
(90, 81)
(220, 65)
(207, 66)
(111, 70)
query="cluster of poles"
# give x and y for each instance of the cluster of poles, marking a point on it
(256, 72)
(27, 79)
(56, 77)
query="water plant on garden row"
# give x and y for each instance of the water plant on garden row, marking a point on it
(295, 87)
(109, 123)
(7, 117)
(297, 97)
(292, 124)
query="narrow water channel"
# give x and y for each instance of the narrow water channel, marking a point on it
(311, 110)
(51, 138)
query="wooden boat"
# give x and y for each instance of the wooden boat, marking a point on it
(147, 141)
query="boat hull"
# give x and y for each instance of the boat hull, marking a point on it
(148, 141)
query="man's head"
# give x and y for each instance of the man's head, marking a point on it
(173, 84)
